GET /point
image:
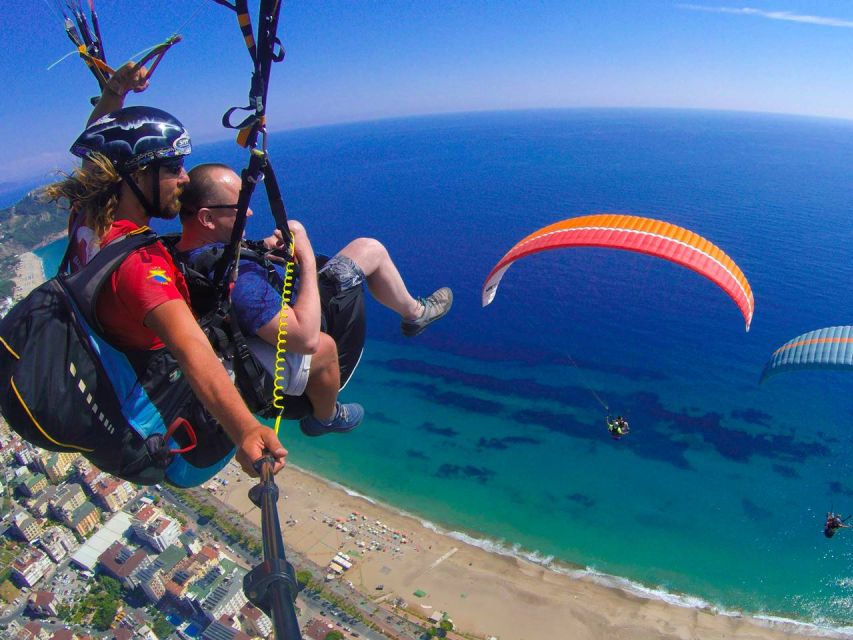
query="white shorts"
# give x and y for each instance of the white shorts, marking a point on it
(295, 369)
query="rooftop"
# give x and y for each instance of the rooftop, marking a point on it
(42, 598)
(82, 512)
(27, 558)
(121, 561)
(87, 555)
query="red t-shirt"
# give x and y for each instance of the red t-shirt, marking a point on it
(146, 279)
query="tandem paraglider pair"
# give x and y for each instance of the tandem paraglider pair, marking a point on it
(617, 427)
(641, 235)
(834, 522)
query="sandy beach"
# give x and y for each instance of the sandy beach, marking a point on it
(485, 594)
(28, 275)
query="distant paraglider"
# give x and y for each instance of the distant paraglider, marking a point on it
(633, 233)
(827, 348)
(618, 427)
(834, 522)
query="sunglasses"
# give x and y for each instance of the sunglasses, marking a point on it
(172, 165)
(219, 206)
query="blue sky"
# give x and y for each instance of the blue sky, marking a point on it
(360, 60)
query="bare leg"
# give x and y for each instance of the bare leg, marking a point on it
(384, 281)
(324, 379)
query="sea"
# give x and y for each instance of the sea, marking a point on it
(491, 424)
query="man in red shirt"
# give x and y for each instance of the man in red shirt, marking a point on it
(136, 167)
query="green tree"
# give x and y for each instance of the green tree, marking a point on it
(446, 624)
(304, 577)
(334, 635)
(105, 614)
(161, 627)
(111, 586)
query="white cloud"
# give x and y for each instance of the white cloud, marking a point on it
(772, 15)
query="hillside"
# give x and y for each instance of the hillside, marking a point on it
(28, 223)
(24, 226)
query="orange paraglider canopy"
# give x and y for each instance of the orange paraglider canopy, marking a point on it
(642, 235)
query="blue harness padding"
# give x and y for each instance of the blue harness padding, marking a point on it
(64, 387)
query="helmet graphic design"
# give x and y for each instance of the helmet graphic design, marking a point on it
(134, 137)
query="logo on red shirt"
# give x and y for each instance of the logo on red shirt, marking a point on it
(159, 276)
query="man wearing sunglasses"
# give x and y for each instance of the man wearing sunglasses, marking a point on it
(134, 171)
(310, 361)
(333, 294)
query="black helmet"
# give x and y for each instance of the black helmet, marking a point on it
(134, 137)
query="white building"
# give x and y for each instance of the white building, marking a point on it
(57, 542)
(30, 567)
(155, 528)
(86, 557)
(226, 599)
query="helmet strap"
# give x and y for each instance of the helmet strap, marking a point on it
(153, 210)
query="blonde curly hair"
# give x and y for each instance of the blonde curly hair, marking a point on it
(91, 191)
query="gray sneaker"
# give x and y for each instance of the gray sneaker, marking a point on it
(347, 417)
(435, 306)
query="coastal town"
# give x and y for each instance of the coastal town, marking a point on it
(86, 555)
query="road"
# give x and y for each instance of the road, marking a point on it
(391, 624)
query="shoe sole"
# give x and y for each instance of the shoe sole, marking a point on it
(409, 333)
(323, 433)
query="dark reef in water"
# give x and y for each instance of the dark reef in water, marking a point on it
(753, 416)
(735, 444)
(658, 433)
(504, 443)
(452, 398)
(785, 471)
(519, 387)
(836, 488)
(755, 511)
(480, 474)
(378, 416)
(581, 499)
(416, 454)
(430, 427)
(534, 357)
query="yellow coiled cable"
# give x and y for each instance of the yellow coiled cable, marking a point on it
(281, 343)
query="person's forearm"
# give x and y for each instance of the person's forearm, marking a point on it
(307, 307)
(110, 101)
(302, 319)
(214, 388)
(176, 326)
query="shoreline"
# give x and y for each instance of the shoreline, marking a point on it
(487, 588)
(29, 274)
(534, 596)
(50, 239)
(30, 269)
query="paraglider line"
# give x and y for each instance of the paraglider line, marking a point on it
(583, 382)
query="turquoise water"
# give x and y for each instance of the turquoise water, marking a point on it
(51, 256)
(487, 424)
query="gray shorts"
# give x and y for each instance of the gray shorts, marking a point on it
(342, 272)
(295, 368)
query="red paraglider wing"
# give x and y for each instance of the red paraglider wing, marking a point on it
(634, 233)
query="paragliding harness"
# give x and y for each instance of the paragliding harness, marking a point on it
(63, 387)
(271, 586)
(214, 309)
(618, 427)
(90, 44)
(342, 317)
